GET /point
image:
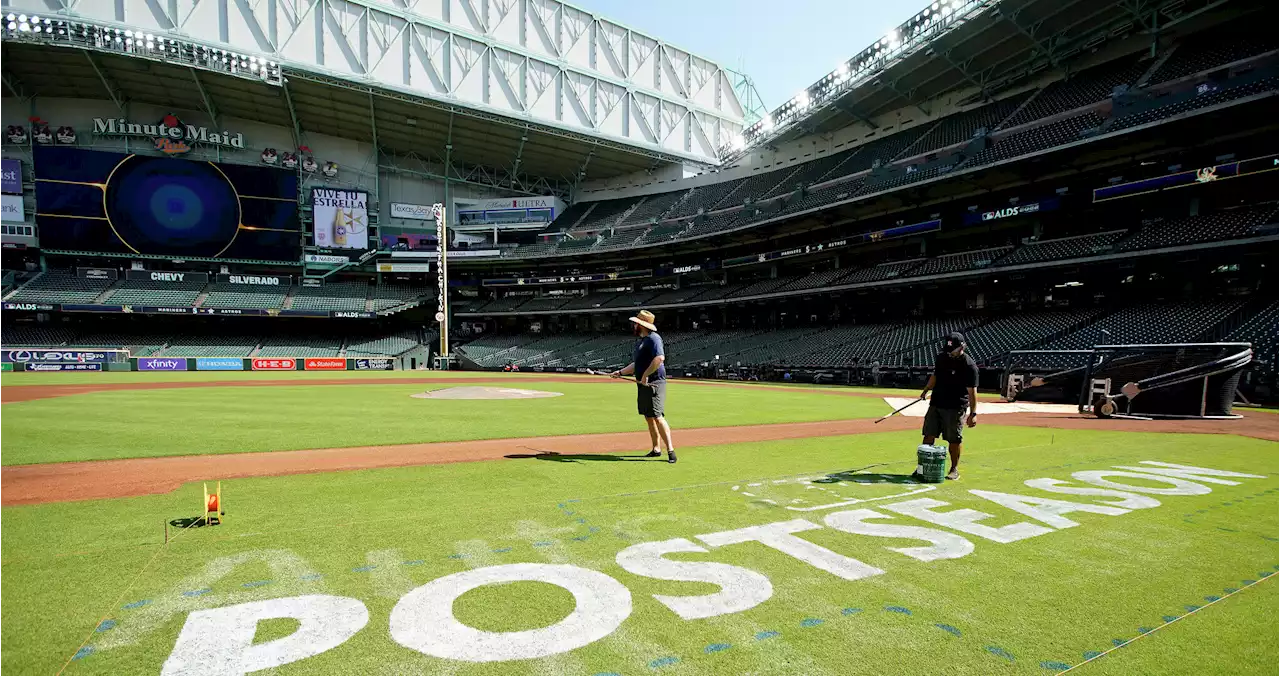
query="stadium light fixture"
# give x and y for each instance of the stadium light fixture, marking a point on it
(802, 100)
(766, 123)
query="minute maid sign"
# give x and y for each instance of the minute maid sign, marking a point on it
(170, 134)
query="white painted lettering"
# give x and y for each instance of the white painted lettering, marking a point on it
(1180, 487)
(1189, 472)
(1047, 510)
(1127, 500)
(945, 545)
(423, 619)
(966, 521)
(741, 589)
(780, 536)
(219, 641)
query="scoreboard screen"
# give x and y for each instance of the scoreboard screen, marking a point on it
(108, 202)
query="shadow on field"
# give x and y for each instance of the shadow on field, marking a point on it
(188, 522)
(865, 478)
(578, 457)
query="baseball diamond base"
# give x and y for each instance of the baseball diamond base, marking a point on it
(485, 393)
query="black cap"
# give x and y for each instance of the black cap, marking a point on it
(954, 340)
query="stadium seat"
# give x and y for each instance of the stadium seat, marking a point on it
(1214, 49)
(1221, 225)
(1035, 139)
(61, 286)
(1085, 88)
(1064, 248)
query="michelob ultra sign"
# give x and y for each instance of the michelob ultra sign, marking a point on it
(340, 218)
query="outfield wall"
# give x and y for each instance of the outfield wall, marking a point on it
(80, 360)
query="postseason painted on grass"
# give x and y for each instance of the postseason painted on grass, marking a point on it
(221, 640)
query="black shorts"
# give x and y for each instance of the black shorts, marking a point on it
(947, 423)
(651, 398)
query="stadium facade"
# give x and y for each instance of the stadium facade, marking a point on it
(1042, 175)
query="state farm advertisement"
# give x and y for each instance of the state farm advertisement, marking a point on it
(275, 364)
(325, 364)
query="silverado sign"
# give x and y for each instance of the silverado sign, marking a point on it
(170, 134)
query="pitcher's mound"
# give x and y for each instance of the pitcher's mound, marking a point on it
(484, 393)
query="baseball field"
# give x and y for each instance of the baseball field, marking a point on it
(368, 531)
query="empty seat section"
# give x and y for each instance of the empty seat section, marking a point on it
(1088, 87)
(882, 272)
(1036, 139)
(704, 197)
(1221, 225)
(958, 262)
(1061, 249)
(1212, 49)
(61, 286)
(606, 214)
(960, 127)
(654, 206)
(334, 296)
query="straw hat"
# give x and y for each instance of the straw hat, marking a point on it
(645, 318)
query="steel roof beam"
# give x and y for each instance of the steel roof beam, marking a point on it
(293, 114)
(848, 109)
(14, 85)
(489, 117)
(1042, 46)
(908, 96)
(110, 86)
(204, 95)
(979, 80)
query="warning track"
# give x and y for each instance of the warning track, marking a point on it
(57, 482)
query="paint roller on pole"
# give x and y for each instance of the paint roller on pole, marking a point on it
(913, 403)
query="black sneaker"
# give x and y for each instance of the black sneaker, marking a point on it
(655, 453)
(671, 457)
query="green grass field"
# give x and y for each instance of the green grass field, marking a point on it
(186, 421)
(1184, 586)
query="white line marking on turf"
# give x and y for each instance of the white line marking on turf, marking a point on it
(1189, 614)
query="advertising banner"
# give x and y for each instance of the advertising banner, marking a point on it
(162, 364)
(11, 177)
(321, 258)
(165, 277)
(54, 356)
(285, 364)
(98, 274)
(375, 364)
(255, 280)
(325, 364)
(413, 212)
(11, 207)
(351, 314)
(404, 267)
(31, 307)
(62, 367)
(340, 218)
(219, 364)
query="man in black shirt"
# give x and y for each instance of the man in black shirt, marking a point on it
(955, 387)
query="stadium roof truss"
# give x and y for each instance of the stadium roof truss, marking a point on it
(986, 45)
(524, 95)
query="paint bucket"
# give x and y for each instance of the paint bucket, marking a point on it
(932, 463)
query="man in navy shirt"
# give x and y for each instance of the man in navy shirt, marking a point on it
(647, 363)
